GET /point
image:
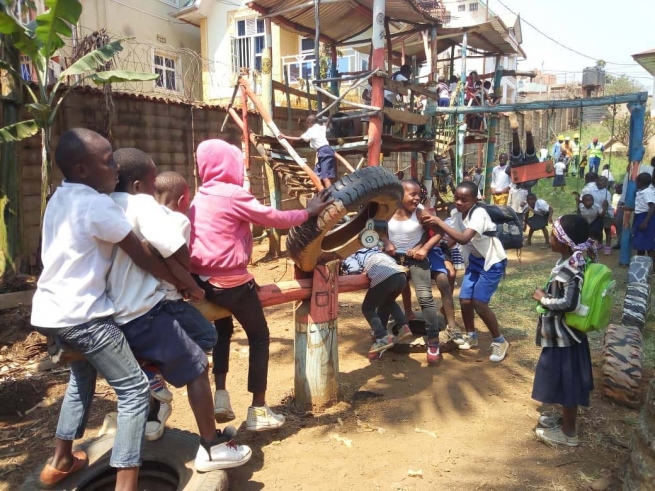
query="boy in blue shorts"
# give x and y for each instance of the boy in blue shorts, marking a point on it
(473, 229)
(81, 227)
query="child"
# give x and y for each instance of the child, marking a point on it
(486, 264)
(156, 329)
(563, 375)
(221, 245)
(316, 135)
(443, 92)
(603, 198)
(80, 227)
(560, 168)
(542, 215)
(607, 173)
(643, 229)
(408, 242)
(388, 280)
(593, 213)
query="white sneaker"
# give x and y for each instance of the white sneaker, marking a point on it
(158, 388)
(498, 351)
(222, 408)
(155, 429)
(469, 342)
(262, 419)
(224, 454)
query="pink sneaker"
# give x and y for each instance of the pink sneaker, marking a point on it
(434, 352)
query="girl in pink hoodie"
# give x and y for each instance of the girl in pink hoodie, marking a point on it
(221, 245)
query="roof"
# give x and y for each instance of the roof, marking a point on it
(647, 60)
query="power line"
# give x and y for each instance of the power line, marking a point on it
(560, 44)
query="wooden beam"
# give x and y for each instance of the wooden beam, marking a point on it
(405, 117)
(396, 86)
(287, 23)
(284, 88)
(387, 31)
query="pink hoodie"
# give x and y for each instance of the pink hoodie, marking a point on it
(221, 213)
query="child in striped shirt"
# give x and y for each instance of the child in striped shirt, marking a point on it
(388, 280)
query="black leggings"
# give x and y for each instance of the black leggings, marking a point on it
(380, 303)
(245, 305)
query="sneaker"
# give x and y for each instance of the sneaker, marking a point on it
(469, 342)
(157, 423)
(158, 388)
(550, 421)
(455, 335)
(382, 344)
(555, 436)
(223, 453)
(434, 352)
(222, 408)
(499, 351)
(262, 419)
(404, 333)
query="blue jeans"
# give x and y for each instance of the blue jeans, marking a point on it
(107, 353)
(594, 163)
(194, 324)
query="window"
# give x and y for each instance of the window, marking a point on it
(473, 7)
(172, 3)
(364, 65)
(165, 67)
(307, 44)
(461, 8)
(248, 45)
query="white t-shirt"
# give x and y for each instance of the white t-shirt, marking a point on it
(540, 207)
(642, 168)
(316, 135)
(599, 195)
(590, 214)
(644, 196)
(499, 178)
(608, 174)
(133, 290)
(180, 224)
(560, 167)
(482, 245)
(517, 198)
(80, 230)
(390, 95)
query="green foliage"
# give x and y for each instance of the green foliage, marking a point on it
(55, 24)
(118, 76)
(19, 131)
(622, 128)
(94, 60)
(621, 85)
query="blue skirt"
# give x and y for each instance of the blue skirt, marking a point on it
(437, 260)
(643, 240)
(563, 375)
(559, 182)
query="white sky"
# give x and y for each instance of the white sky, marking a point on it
(602, 29)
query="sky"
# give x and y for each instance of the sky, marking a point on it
(602, 29)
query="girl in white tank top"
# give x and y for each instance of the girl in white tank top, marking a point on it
(405, 234)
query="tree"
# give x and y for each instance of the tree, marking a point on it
(621, 85)
(40, 40)
(622, 128)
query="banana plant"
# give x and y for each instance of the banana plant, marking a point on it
(39, 40)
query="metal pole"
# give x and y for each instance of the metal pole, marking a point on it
(334, 73)
(377, 83)
(493, 128)
(461, 126)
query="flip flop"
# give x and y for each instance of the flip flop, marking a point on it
(50, 476)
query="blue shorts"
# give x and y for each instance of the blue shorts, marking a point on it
(158, 337)
(326, 167)
(437, 260)
(479, 284)
(194, 323)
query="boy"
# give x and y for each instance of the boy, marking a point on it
(80, 227)
(473, 228)
(594, 214)
(607, 173)
(542, 215)
(601, 194)
(316, 135)
(154, 329)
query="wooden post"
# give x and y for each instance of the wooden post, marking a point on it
(387, 31)
(377, 83)
(317, 52)
(334, 86)
(433, 52)
(316, 378)
(246, 138)
(288, 96)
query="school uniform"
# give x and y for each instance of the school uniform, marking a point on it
(601, 195)
(485, 256)
(643, 240)
(592, 215)
(539, 218)
(559, 181)
(326, 166)
(499, 181)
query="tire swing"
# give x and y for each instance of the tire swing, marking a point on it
(373, 193)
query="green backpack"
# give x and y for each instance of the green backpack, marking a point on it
(593, 312)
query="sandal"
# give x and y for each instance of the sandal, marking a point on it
(50, 476)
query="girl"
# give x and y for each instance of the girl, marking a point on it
(559, 183)
(563, 375)
(542, 215)
(221, 244)
(643, 229)
(408, 242)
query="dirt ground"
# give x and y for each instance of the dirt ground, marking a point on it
(465, 424)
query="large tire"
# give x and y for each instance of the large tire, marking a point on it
(175, 452)
(622, 369)
(372, 192)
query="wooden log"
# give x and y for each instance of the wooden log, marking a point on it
(405, 117)
(316, 380)
(279, 86)
(16, 299)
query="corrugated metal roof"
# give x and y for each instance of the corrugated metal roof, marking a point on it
(339, 19)
(647, 60)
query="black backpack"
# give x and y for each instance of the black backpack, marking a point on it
(509, 227)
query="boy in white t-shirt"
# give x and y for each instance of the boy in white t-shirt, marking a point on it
(559, 183)
(474, 230)
(316, 135)
(81, 227)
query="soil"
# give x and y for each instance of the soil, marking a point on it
(465, 424)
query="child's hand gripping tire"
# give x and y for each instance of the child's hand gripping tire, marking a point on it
(372, 192)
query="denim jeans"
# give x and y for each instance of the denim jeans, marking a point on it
(380, 303)
(419, 272)
(107, 353)
(194, 324)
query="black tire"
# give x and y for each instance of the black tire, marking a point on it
(372, 192)
(622, 369)
(172, 454)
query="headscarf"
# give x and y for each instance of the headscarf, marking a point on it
(577, 259)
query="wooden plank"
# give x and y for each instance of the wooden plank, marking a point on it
(299, 93)
(16, 299)
(405, 117)
(396, 86)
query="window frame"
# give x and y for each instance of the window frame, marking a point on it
(175, 70)
(473, 7)
(461, 8)
(249, 43)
